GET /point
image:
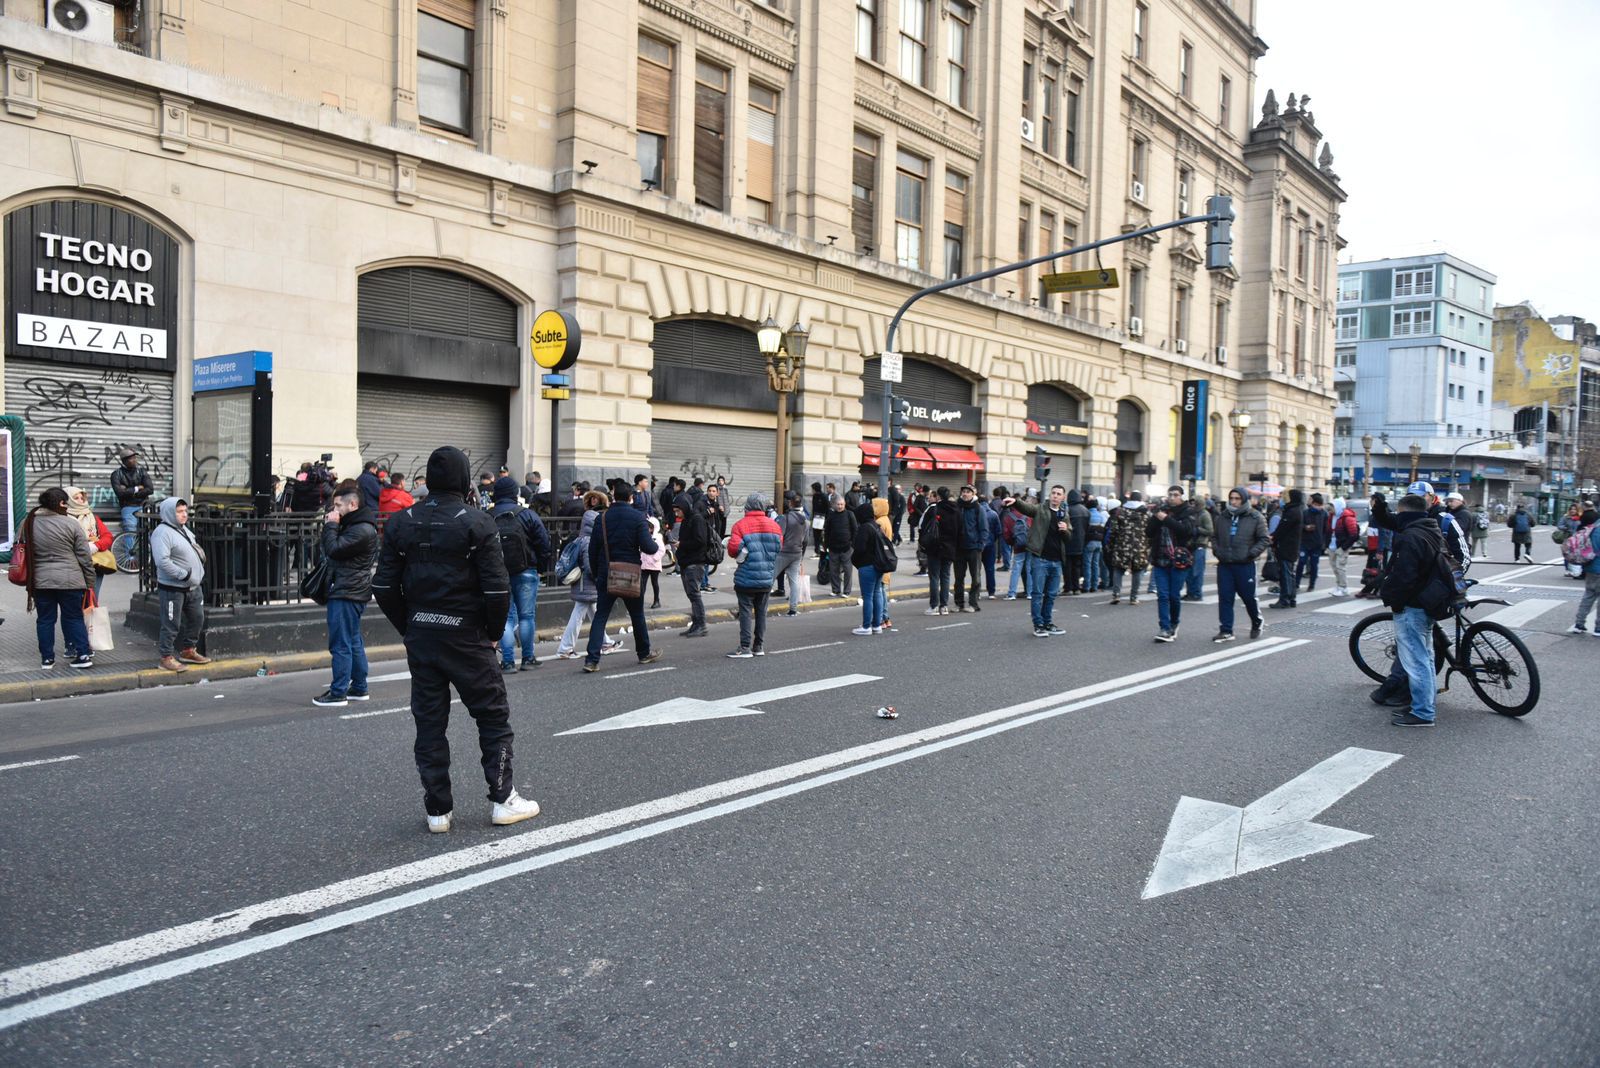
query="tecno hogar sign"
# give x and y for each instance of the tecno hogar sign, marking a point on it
(88, 283)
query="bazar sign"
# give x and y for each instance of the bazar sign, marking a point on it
(51, 332)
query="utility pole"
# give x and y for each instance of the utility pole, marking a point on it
(1219, 256)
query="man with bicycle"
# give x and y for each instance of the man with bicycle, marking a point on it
(133, 486)
(1410, 583)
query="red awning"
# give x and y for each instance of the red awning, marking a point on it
(916, 456)
(955, 459)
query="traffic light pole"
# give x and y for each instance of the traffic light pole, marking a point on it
(1218, 244)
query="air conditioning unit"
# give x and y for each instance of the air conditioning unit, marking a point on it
(92, 20)
(1181, 346)
(1222, 354)
(1138, 191)
(1135, 326)
(1027, 129)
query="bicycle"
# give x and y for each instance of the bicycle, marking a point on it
(1494, 661)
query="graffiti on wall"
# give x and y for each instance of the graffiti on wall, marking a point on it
(75, 430)
(411, 464)
(706, 467)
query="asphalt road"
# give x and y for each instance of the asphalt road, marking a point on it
(225, 875)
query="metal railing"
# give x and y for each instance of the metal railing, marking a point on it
(254, 560)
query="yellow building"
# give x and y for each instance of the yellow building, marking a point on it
(383, 194)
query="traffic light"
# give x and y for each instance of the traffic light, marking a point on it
(1219, 234)
(897, 462)
(1041, 463)
(899, 412)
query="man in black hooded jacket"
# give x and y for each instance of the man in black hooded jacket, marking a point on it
(442, 582)
(1286, 548)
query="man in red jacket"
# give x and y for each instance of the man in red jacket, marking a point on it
(394, 497)
(1346, 532)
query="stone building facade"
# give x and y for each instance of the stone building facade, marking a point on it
(383, 194)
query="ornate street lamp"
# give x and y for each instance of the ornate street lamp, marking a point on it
(785, 354)
(1416, 455)
(1366, 460)
(1239, 419)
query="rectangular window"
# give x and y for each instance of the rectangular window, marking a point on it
(1349, 288)
(864, 193)
(1450, 285)
(763, 133)
(1139, 161)
(1414, 283)
(1048, 84)
(1302, 246)
(1186, 70)
(1069, 238)
(1029, 66)
(710, 135)
(914, 41)
(444, 66)
(1483, 302)
(655, 110)
(1346, 392)
(910, 187)
(1225, 102)
(1185, 183)
(1219, 328)
(1135, 295)
(1344, 358)
(955, 224)
(1180, 314)
(1047, 244)
(959, 55)
(1483, 363)
(1413, 321)
(1480, 396)
(1349, 327)
(1074, 118)
(1141, 27)
(1285, 228)
(1024, 241)
(867, 29)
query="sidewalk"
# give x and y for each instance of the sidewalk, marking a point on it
(132, 664)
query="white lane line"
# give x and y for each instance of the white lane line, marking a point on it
(947, 626)
(1516, 573)
(643, 671)
(395, 677)
(386, 711)
(36, 763)
(1574, 588)
(802, 648)
(1351, 608)
(136, 950)
(1522, 613)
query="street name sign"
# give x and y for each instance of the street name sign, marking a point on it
(1077, 281)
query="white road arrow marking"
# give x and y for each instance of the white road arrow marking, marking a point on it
(688, 709)
(1207, 840)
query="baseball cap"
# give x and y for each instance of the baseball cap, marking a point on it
(1422, 489)
(1454, 497)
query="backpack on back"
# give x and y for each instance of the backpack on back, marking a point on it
(1019, 531)
(1579, 548)
(1521, 523)
(514, 544)
(929, 531)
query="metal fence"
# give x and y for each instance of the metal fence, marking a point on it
(252, 560)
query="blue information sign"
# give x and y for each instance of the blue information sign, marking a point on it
(237, 370)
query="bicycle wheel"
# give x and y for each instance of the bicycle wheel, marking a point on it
(1500, 669)
(1373, 645)
(125, 547)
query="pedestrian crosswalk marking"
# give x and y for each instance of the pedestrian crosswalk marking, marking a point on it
(1350, 608)
(1523, 613)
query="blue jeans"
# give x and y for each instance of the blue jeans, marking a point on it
(349, 652)
(1006, 553)
(130, 518)
(872, 597)
(1236, 579)
(602, 613)
(1019, 571)
(68, 604)
(1196, 577)
(939, 583)
(1092, 556)
(988, 568)
(1043, 578)
(520, 620)
(1169, 594)
(1307, 567)
(1413, 632)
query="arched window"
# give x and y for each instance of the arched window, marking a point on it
(708, 363)
(1053, 406)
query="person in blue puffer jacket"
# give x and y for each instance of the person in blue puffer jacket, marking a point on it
(755, 542)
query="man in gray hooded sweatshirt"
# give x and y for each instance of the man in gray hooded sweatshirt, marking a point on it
(1239, 538)
(180, 571)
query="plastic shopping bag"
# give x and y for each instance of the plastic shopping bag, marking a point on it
(803, 588)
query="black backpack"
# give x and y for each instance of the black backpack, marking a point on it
(514, 544)
(1443, 588)
(929, 531)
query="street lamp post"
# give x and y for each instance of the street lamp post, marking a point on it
(785, 354)
(1366, 461)
(1416, 456)
(1239, 419)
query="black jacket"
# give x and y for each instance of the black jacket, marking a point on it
(1286, 539)
(131, 487)
(1180, 523)
(440, 567)
(571, 508)
(1314, 530)
(1077, 525)
(621, 533)
(694, 532)
(352, 545)
(947, 514)
(839, 530)
(864, 550)
(1417, 542)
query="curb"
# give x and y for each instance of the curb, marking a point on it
(282, 664)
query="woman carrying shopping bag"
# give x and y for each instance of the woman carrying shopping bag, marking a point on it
(93, 529)
(60, 577)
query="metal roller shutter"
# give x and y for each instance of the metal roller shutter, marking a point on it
(79, 417)
(399, 421)
(743, 455)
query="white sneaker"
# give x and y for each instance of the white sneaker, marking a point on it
(1340, 591)
(514, 809)
(877, 630)
(1578, 628)
(439, 824)
(862, 631)
(611, 647)
(931, 612)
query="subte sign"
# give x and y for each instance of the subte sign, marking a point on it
(556, 340)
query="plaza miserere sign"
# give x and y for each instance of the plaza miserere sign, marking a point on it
(89, 283)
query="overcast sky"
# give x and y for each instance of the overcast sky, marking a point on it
(1457, 125)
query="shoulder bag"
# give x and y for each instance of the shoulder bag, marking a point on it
(622, 580)
(316, 584)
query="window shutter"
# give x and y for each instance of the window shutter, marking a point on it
(710, 129)
(955, 206)
(763, 134)
(863, 216)
(460, 12)
(655, 96)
